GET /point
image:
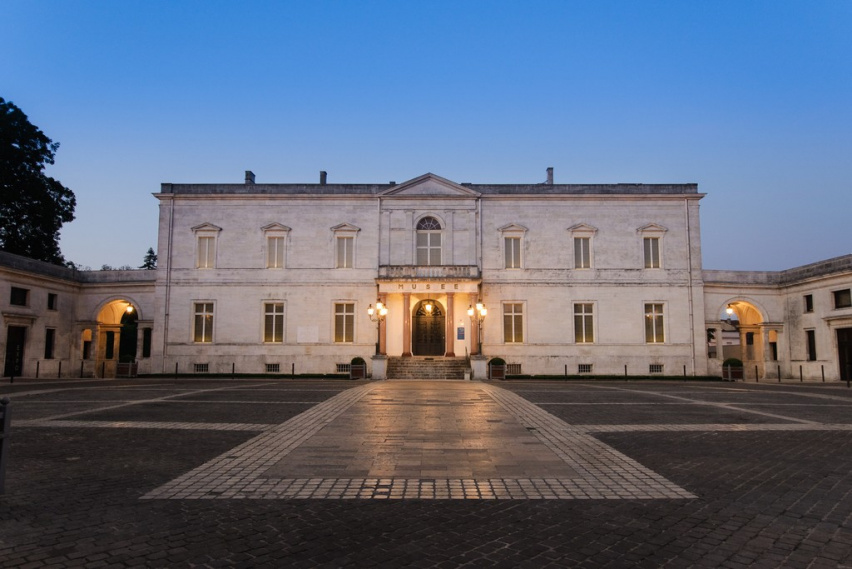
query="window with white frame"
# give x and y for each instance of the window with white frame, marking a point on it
(345, 251)
(276, 245)
(206, 236)
(428, 241)
(512, 250)
(654, 333)
(513, 322)
(652, 252)
(203, 323)
(584, 330)
(582, 253)
(344, 245)
(344, 322)
(273, 322)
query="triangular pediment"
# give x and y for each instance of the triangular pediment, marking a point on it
(652, 228)
(513, 228)
(275, 227)
(583, 228)
(345, 227)
(206, 227)
(429, 185)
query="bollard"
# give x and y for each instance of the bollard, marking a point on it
(800, 374)
(684, 370)
(81, 370)
(233, 367)
(756, 377)
(5, 424)
(59, 373)
(176, 368)
(625, 370)
(38, 364)
(822, 370)
(566, 370)
(103, 370)
(293, 370)
(779, 372)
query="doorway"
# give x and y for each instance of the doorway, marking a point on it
(844, 352)
(429, 329)
(16, 336)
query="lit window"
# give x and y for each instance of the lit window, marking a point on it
(344, 322)
(203, 332)
(583, 324)
(273, 323)
(513, 323)
(512, 246)
(654, 324)
(428, 241)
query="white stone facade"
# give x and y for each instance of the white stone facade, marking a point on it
(576, 279)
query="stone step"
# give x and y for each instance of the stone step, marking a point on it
(423, 368)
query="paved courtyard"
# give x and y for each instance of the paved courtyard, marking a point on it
(251, 473)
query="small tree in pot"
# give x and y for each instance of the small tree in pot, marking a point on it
(357, 368)
(497, 368)
(732, 369)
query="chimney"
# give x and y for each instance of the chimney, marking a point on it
(392, 183)
(249, 178)
(323, 176)
(550, 176)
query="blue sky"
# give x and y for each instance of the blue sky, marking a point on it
(751, 100)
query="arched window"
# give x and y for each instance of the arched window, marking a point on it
(428, 241)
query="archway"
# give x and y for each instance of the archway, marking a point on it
(428, 329)
(116, 336)
(745, 336)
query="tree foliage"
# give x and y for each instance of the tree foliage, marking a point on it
(150, 261)
(33, 206)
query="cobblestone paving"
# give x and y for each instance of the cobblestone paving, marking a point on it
(771, 482)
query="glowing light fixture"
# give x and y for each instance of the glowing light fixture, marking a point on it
(729, 310)
(129, 309)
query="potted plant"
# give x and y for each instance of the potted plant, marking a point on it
(357, 368)
(497, 368)
(732, 369)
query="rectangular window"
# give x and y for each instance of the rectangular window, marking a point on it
(274, 252)
(52, 303)
(344, 368)
(582, 260)
(203, 332)
(809, 303)
(109, 349)
(428, 248)
(512, 246)
(273, 322)
(584, 368)
(87, 349)
(344, 322)
(655, 368)
(19, 296)
(273, 368)
(345, 250)
(201, 368)
(654, 324)
(583, 324)
(652, 252)
(513, 369)
(513, 323)
(49, 342)
(812, 353)
(843, 298)
(146, 342)
(206, 252)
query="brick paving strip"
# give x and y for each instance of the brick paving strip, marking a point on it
(400, 451)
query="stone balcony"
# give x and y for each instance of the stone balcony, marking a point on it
(426, 272)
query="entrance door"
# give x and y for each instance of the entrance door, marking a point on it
(15, 338)
(844, 351)
(429, 325)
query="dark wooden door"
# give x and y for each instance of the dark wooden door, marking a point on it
(429, 330)
(15, 338)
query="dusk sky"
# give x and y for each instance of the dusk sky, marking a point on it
(751, 100)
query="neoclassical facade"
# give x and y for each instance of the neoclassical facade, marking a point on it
(553, 278)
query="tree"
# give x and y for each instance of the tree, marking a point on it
(33, 206)
(150, 261)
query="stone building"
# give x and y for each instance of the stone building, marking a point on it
(553, 278)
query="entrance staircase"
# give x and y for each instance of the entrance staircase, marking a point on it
(426, 367)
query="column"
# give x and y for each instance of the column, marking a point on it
(474, 328)
(451, 326)
(406, 324)
(383, 335)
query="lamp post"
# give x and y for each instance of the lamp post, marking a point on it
(377, 315)
(478, 314)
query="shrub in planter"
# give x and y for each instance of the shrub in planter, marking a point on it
(357, 368)
(732, 368)
(733, 362)
(497, 368)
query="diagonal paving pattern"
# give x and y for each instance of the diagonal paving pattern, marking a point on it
(396, 440)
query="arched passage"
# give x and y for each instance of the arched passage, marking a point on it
(116, 335)
(744, 333)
